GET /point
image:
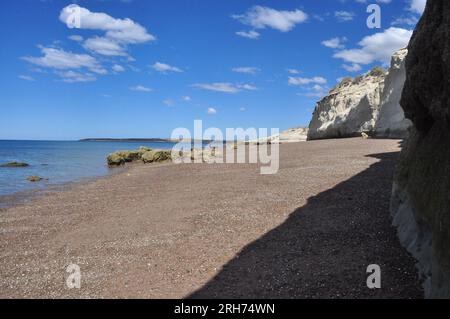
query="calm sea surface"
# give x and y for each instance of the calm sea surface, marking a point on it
(60, 162)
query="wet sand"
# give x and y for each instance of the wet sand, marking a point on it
(217, 230)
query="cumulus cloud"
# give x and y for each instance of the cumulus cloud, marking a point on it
(211, 111)
(118, 68)
(418, 6)
(76, 38)
(304, 81)
(186, 98)
(224, 87)
(354, 67)
(26, 78)
(379, 1)
(165, 68)
(249, 34)
(246, 70)
(335, 43)
(121, 30)
(75, 77)
(169, 102)
(141, 88)
(260, 17)
(118, 32)
(59, 59)
(344, 16)
(293, 71)
(377, 47)
(104, 46)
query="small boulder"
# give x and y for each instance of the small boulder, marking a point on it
(162, 156)
(364, 136)
(122, 157)
(115, 159)
(148, 157)
(34, 179)
(15, 164)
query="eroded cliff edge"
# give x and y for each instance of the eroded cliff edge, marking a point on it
(421, 194)
(369, 103)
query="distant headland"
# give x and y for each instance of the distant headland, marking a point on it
(141, 140)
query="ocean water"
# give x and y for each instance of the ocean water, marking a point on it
(60, 162)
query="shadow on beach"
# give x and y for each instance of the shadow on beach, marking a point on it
(323, 249)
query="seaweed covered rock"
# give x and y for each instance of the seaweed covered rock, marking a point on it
(420, 202)
(15, 164)
(122, 157)
(162, 156)
(145, 154)
(148, 157)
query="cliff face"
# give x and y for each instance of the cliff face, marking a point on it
(349, 109)
(391, 121)
(369, 103)
(421, 195)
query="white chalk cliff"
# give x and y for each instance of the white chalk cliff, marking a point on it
(391, 122)
(368, 103)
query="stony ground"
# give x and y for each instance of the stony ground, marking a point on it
(202, 230)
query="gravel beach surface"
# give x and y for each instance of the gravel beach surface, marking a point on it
(217, 230)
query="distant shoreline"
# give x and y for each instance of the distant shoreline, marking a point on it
(143, 140)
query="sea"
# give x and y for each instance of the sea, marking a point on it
(58, 162)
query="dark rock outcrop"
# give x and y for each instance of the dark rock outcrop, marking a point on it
(14, 164)
(421, 196)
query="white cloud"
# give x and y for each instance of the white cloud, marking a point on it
(304, 81)
(121, 30)
(249, 34)
(224, 87)
(377, 47)
(169, 102)
(293, 71)
(76, 38)
(335, 43)
(418, 6)
(165, 68)
(379, 1)
(344, 16)
(75, 77)
(408, 20)
(26, 78)
(260, 17)
(118, 68)
(246, 70)
(141, 88)
(60, 59)
(211, 111)
(186, 98)
(118, 32)
(242, 109)
(104, 46)
(354, 67)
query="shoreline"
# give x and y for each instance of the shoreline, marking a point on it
(23, 197)
(216, 230)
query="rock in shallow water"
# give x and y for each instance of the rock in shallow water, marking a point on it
(15, 164)
(34, 179)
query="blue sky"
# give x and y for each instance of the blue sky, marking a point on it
(233, 63)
